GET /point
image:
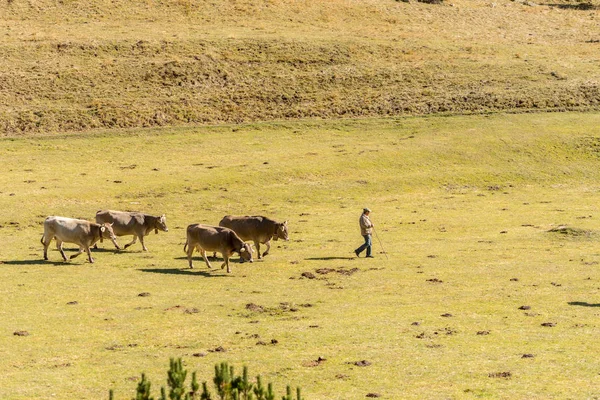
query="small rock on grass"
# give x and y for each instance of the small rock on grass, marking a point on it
(21, 333)
(308, 275)
(500, 375)
(315, 363)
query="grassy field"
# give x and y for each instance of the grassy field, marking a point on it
(89, 64)
(463, 206)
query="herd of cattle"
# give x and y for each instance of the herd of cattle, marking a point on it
(228, 238)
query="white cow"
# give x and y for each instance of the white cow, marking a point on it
(80, 232)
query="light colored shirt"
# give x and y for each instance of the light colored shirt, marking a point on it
(366, 226)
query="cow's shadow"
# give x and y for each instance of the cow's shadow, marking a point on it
(207, 273)
(113, 251)
(35, 262)
(583, 304)
(213, 259)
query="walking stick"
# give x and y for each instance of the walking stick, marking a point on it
(381, 244)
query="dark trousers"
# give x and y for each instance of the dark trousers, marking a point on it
(366, 245)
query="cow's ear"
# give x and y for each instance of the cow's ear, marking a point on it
(102, 229)
(284, 223)
(243, 249)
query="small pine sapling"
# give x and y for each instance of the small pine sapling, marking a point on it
(143, 389)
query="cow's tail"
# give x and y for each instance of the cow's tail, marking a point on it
(42, 240)
(185, 247)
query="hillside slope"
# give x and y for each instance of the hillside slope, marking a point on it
(75, 65)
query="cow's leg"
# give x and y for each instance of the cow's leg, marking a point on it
(87, 250)
(60, 248)
(203, 252)
(46, 242)
(268, 243)
(134, 241)
(257, 245)
(190, 251)
(226, 262)
(142, 242)
(78, 253)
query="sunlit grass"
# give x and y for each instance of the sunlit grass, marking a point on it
(462, 207)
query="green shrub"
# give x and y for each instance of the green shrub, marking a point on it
(228, 386)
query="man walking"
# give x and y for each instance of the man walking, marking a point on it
(366, 229)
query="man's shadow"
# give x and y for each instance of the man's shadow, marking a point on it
(583, 304)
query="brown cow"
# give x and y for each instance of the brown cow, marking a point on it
(258, 229)
(132, 223)
(215, 238)
(82, 233)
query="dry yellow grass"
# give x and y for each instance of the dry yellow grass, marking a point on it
(76, 65)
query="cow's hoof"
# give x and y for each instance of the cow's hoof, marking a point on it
(126, 246)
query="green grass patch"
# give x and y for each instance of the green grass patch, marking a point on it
(476, 297)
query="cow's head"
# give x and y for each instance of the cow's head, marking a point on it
(161, 223)
(246, 252)
(106, 231)
(281, 231)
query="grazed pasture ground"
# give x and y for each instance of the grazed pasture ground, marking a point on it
(477, 297)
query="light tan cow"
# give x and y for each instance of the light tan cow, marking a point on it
(80, 232)
(258, 229)
(215, 238)
(132, 223)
